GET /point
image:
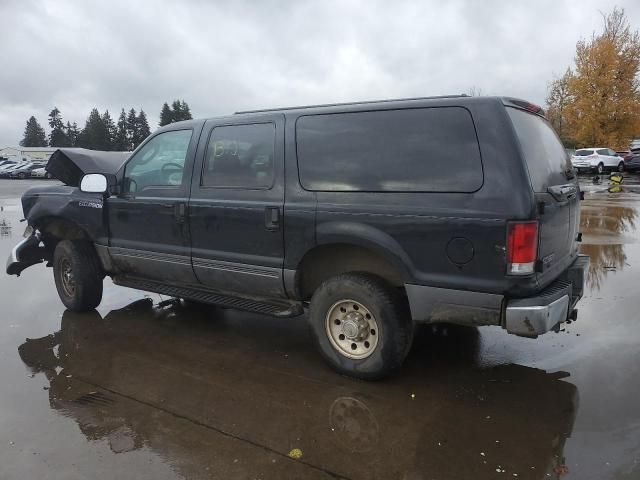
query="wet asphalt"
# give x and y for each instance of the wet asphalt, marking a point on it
(148, 389)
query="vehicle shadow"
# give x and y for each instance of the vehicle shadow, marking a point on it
(182, 381)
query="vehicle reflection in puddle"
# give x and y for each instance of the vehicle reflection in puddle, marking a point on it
(172, 379)
(607, 226)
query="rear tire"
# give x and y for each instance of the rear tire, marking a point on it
(361, 325)
(600, 168)
(78, 275)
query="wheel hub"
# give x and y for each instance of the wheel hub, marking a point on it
(355, 327)
(352, 329)
(68, 278)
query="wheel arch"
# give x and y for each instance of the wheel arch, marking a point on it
(340, 256)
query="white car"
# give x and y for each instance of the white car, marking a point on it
(597, 160)
(41, 173)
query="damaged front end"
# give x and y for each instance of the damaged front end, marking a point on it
(64, 211)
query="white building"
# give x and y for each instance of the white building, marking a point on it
(27, 153)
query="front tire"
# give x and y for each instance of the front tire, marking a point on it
(621, 167)
(78, 275)
(361, 325)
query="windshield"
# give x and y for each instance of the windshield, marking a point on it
(546, 158)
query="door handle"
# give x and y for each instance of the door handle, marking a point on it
(272, 218)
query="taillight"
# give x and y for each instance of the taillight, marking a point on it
(522, 247)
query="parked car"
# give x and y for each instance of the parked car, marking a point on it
(41, 173)
(597, 160)
(354, 215)
(632, 164)
(5, 170)
(6, 161)
(24, 171)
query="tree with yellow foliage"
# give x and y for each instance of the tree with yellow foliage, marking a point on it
(598, 102)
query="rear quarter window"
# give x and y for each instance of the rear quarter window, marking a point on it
(544, 154)
(413, 150)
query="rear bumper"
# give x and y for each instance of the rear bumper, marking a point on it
(527, 317)
(533, 316)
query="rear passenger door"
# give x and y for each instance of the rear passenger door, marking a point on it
(605, 157)
(236, 206)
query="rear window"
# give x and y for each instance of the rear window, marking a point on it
(583, 153)
(414, 150)
(546, 158)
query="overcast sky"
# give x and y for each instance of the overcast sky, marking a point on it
(225, 56)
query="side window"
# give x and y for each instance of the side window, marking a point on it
(612, 153)
(410, 150)
(159, 163)
(602, 151)
(240, 156)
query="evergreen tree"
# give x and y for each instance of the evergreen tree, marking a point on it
(94, 133)
(132, 127)
(34, 135)
(120, 142)
(166, 115)
(186, 111)
(71, 131)
(142, 128)
(58, 136)
(176, 111)
(109, 129)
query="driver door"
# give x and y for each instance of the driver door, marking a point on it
(148, 226)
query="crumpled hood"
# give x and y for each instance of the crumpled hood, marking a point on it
(69, 165)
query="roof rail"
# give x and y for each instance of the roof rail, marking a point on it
(349, 103)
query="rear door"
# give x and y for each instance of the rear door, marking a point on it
(605, 157)
(236, 206)
(556, 192)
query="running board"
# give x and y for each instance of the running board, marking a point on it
(276, 308)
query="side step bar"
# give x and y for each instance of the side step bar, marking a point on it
(276, 308)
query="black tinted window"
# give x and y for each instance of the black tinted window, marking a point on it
(426, 149)
(240, 156)
(546, 158)
(584, 153)
(603, 151)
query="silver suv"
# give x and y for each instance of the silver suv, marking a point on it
(597, 160)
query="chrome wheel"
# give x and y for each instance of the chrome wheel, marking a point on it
(352, 329)
(67, 277)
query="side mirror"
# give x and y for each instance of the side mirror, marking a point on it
(93, 183)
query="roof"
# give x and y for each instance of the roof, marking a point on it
(38, 149)
(304, 107)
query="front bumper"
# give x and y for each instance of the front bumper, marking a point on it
(26, 253)
(533, 316)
